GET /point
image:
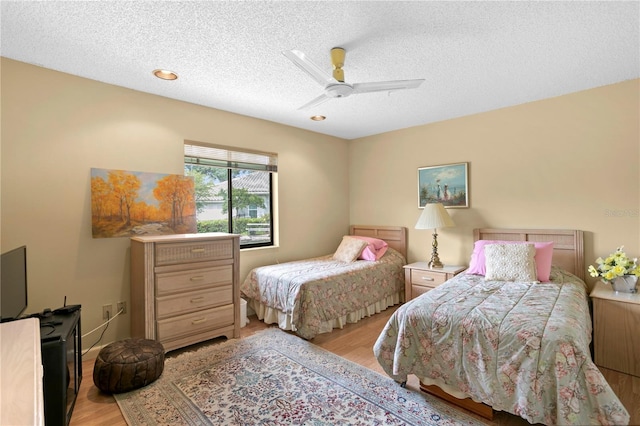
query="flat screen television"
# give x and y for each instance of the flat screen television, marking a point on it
(13, 284)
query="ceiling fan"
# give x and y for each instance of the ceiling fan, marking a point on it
(335, 87)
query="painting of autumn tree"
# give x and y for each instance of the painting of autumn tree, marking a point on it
(125, 204)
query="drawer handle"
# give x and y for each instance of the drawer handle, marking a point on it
(427, 279)
(197, 250)
(197, 299)
(198, 321)
(197, 278)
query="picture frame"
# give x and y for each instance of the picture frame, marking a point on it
(447, 184)
(128, 203)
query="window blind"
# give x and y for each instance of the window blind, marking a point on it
(229, 157)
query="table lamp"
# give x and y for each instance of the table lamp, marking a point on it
(434, 216)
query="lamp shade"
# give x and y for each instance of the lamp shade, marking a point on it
(434, 216)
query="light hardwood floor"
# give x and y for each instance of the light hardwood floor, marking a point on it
(354, 342)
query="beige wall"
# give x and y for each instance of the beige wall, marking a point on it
(56, 127)
(566, 162)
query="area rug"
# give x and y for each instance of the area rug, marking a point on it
(276, 378)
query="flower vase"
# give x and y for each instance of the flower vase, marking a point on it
(625, 283)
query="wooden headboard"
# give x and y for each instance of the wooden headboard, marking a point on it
(568, 247)
(395, 236)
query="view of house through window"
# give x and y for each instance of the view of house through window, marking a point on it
(233, 192)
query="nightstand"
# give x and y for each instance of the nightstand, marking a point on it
(420, 278)
(616, 329)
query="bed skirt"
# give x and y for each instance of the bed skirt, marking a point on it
(276, 316)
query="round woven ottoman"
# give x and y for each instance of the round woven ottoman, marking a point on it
(128, 364)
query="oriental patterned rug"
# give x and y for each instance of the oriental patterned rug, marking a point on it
(276, 378)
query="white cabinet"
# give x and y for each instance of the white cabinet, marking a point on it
(185, 288)
(21, 373)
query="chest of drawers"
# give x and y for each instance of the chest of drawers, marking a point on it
(185, 288)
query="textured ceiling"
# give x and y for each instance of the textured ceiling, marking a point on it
(474, 56)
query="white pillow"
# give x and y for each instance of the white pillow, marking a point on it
(349, 249)
(510, 262)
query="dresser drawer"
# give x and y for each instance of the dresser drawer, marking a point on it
(183, 303)
(195, 322)
(419, 278)
(175, 253)
(427, 278)
(417, 290)
(195, 279)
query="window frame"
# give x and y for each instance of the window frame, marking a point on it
(231, 158)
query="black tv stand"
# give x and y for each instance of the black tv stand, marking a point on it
(61, 344)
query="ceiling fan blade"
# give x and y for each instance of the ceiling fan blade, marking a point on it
(305, 64)
(315, 102)
(384, 86)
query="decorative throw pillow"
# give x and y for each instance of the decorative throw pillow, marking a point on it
(349, 249)
(375, 248)
(371, 254)
(510, 262)
(543, 257)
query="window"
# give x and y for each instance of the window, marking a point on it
(247, 175)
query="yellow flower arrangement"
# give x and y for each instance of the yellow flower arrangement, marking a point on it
(616, 265)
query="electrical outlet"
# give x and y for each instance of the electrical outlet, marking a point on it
(121, 306)
(107, 311)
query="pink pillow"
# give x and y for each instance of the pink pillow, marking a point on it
(374, 250)
(543, 257)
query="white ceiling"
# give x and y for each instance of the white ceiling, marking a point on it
(474, 56)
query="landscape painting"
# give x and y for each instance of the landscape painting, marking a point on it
(447, 184)
(125, 204)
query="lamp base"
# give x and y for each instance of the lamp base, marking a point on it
(435, 264)
(435, 260)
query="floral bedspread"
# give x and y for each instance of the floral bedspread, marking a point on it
(322, 289)
(518, 347)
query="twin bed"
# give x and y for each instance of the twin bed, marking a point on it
(316, 295)
(491, 340)
(516, 345)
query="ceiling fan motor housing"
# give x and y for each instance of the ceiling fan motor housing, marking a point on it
(339, 90)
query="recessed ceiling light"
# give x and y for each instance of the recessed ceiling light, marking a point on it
(318, 117)
(165, 74)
